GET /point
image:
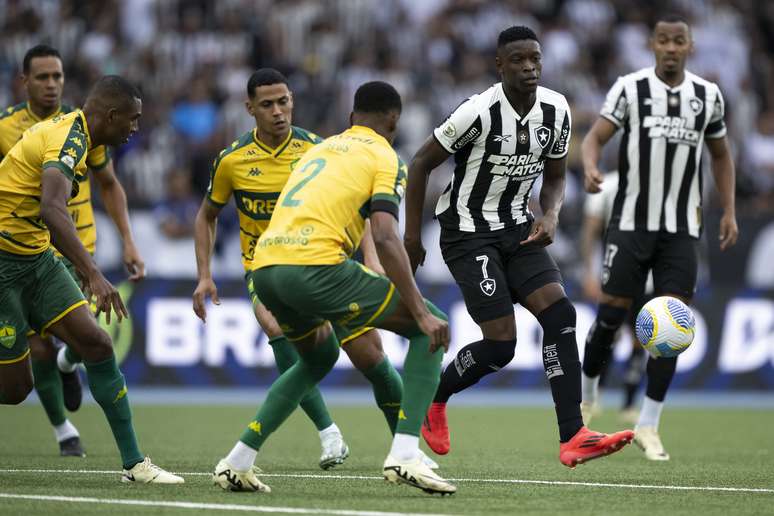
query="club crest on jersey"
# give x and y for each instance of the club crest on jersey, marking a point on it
(449, 131)
(543, 136)
(696, 105)
(488, 286)
(523, 137)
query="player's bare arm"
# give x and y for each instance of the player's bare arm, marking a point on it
(204, 240)
(551, 199)
(725, 181)
(395, 261)
(114, 197)
(591, 148)
(55, 190)
(427, 158)
(367, 247)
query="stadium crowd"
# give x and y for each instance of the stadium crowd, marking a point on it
(192, 58)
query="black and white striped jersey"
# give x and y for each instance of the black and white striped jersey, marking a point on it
(660, 185)
(498, 156)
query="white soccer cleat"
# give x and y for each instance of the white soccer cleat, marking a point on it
(334, 451)
(417, 474)
(230, 479)
(146, 472)
(648, 440)
(430, 463)
(590, 410)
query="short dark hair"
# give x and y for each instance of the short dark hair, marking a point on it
(264, 77)
(669, 18)
(38, 51)
(377, 97)
(515, 33)
(115, 87)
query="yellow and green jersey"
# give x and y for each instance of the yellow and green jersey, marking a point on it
(63, 143)
(255, 175)
(17, 119)
(320, 216)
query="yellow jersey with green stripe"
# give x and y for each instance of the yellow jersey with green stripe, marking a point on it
(17, 119)
(63, 143)
(320, 215)
(255, 175)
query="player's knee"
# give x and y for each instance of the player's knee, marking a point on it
(16, 393)
(610, 318)
(41, 349)
(96, 345)
(558, 316)
(501, 352)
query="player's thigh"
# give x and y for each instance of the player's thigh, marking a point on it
(17, 284)
(365, 351)
(263, 315)
(16, 380)
(676, 266)
(79, 330)
(42, 349)
(533, 276)
(627, 258)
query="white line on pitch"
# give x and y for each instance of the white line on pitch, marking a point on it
(483, 480)
(211, 506)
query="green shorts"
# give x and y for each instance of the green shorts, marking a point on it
(302, 297)
(35, 292)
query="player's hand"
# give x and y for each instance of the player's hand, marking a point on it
(729, 231)
(542, 232)
(415, 250)
(435, 328)
(105, 296)
(205, 288)
(592, 180)
(133, 262)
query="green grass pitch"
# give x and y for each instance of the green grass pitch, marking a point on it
(497, 453)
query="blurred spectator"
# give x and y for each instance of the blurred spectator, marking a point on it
(177, 212)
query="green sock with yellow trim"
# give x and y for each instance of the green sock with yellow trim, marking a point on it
(388, 390)
(287, 391)
(109, 390)
(48, 384)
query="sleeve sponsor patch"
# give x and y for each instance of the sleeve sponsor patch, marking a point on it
(467, 137)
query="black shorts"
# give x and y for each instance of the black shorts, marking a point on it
(494, 271)
(629, 255)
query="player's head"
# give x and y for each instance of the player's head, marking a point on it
(113, 109)
(377, 105)
(270, 102)
(43, 77)
(518, 59)
(672, 43)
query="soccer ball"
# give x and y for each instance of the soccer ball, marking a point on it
(665, 327)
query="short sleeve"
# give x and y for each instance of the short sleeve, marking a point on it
(98, 158)
(389, 185)
(461, 128)
(65, 149)
(717, 125)
(562, 134)
(220, 187)
(616, 106)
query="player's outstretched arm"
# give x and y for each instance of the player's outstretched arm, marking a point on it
(384, 227)
(551, 199)
(55, 190)
(725, 181)
(114, 197)
(204, 240)
(427, 158)
(591, 148)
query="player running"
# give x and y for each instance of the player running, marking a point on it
(666, 113)
(502, 140)
(37, 294)
(303, 272)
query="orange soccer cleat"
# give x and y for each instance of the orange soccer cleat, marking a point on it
(435, 429)
(586, 445)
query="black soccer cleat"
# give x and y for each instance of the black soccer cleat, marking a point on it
(72, 389)
(71, 447)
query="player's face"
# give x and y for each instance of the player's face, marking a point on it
(672, 44)
(519, 65)
(44, 82)
(272, 108)
(123, 123)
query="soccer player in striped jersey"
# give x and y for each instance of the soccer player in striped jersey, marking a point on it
(502, 140)
(43, 79)
(667, 114)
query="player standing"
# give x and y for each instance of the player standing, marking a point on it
(43, 79)
(666, 113)
(502, 140)
(302, 271)
(37, 293)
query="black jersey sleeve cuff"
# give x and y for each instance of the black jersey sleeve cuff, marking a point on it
(67, 171)
(383, 204)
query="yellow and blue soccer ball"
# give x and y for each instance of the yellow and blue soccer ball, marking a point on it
(665, 327)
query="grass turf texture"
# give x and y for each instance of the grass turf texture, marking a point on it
(718, 448)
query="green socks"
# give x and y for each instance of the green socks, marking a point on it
(72, 356)
(289, 389)
(313, 405)
(109, 389)
(421, 375)
(388, 390)
(48, 383)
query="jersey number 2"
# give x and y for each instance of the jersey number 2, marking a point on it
(318, 165)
